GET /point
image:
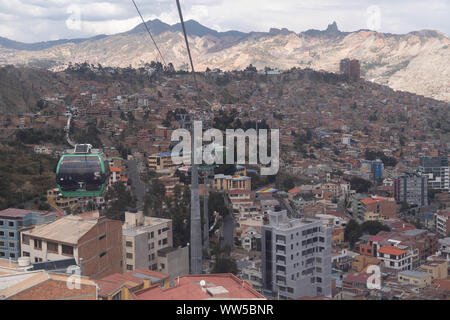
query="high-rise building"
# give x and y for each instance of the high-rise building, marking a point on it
(296, 257)
(411, 188)
(351, 68)
(437, 171)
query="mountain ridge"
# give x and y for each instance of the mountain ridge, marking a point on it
(412, 62)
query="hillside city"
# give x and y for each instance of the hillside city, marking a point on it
(359, 209)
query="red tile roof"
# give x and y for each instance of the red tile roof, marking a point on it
(392, 251)
(189, 288)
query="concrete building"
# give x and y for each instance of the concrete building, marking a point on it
(443, 223)
(296, 257)
(437, 171)
(94, 242)
(395, 258)
(11, 221)
(415, 278)
(173, 261)
(411, 188)
(143, 237)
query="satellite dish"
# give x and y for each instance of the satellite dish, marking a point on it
(202, 283)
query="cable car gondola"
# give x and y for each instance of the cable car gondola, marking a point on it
(82, 172)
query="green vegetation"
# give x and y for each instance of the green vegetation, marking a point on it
(353, 231)
(223, 262)
(360, 185)
(39, 136)
(120, 200)
(374, 155)
(24, 175)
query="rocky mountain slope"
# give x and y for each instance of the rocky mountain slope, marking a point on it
(418, 62)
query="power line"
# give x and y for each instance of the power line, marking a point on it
(148, 30)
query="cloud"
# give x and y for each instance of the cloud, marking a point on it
(40, 20)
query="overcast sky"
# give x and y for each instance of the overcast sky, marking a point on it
(42, 20)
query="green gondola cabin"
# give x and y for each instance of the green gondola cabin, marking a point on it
(82, 172)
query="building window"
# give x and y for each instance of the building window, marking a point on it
(163, 266)
(129, 255)
(11, 245)
(164, 241)
(25, 239)
(2, 254)
(1, 222)
(11, 234)
(26, 254)
(152, 235)
(37, 259)
(11, 224)
(2, 233)
(2, 244)
(52, 247)
(12, 255)
(67, 250)
(129, 267)
(129, 244)
(38, 244)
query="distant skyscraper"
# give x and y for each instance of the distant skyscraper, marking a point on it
(296, 257)
(351, 68)
(412, 188)
(437, 171)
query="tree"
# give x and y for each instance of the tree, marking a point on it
(360, 185)
(373, 227)
(352, 232)
(119, 199)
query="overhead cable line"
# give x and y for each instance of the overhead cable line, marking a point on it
(149, 33)
(187, 46)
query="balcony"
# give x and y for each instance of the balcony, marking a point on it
(281, 272)
(281, 262)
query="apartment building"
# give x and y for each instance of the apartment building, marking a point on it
(415, 278)
(437, 171)
(143, 237)
(443, 223)
(163, 161)
(11, 221)
(376, 208)
(226, 182)
(411, 188)
(296, 257)
(395, 258)
(94, 242)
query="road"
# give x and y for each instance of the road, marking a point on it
(138, 187)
